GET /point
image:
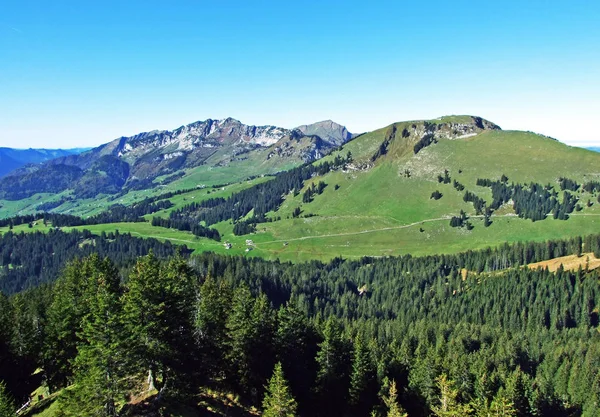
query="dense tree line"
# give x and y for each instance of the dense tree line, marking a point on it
(31, 259)
(244, 227)
(51, 205)
(260, 198)
(591, 186)
(568, 184)
(533, 201)
(187, 225)
(47, 179)
(439, 335)
(117, 213)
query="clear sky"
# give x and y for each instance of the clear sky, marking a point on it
(81, 73)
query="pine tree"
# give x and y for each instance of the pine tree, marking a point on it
(6, 356)
(391, 402)
(448, 400)
(363, 380)
(211, 311)
(100, 365)
(295, 340)
(65, 315)
(333, 374)
(278, 401)
(7, 406)
(239, 335)
(261, 352)
(158, 309)
(502, 406)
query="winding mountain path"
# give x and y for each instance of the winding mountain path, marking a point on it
(383, 229)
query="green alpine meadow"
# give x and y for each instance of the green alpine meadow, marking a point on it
(299, 209)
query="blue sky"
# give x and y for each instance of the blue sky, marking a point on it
(80, 73)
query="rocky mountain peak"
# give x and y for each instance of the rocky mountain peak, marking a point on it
(328, 130)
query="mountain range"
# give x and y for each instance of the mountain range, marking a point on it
(12, 159)
(136, 162)
(318, 191)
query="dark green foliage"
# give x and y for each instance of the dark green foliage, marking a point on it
(446, 178)
(7, 405)
(334, 367)
(244, 227)
(115, 214)
(308, 195)
(48, 179)
(458, 185)
(158, 307)
(591, 186)
(424, 142)
(260, 198)
(296, 345)
(567, 184)
(188, 226)
(211, 310)
(278, 401)
(533, 201)
(521, 339)
(65, 317)
(53, 204)
(390, 135)
(436, 195)
(478, 203)
(100, 364)
(38, 257)
(107, 175)
(363, 380)
(250, 332)
(460, 221)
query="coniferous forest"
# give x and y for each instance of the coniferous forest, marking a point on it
(472, 334)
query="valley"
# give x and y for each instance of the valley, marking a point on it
(377, 204)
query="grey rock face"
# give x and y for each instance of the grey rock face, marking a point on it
(328, 130)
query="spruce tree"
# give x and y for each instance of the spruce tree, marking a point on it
(261, 345)
(158, 309)
(100, 365)
(296, 350)
(448, 405)
(363, 379)
(239, 335)
(6, 357)
(7, 406)
(65, 316)
(391, 402)
(211, 311)
(333, 374)
(278, 401)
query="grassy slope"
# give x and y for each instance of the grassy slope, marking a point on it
(378, 211)
(250, 164)
(89, 207)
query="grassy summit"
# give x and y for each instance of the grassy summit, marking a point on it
(381, 203)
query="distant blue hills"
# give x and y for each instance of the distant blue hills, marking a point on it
(11, 159)
(594, 148)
